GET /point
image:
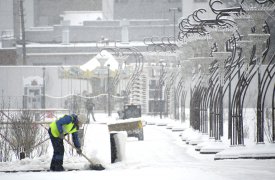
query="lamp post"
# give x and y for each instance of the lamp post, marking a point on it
(108, 90)
(174, 19)
(43, 105)
(160, 88)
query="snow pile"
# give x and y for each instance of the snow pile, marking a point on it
(199, 138)
(41, 163)
(97, 143)
(187, 134)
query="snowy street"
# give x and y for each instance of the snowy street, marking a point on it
(162, 155)
(163, 149)
(137, 89)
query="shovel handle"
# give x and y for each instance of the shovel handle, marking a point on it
(90, 161)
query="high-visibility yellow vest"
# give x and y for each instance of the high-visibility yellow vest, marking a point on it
(67, 129)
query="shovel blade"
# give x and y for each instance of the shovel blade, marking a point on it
(97, 167)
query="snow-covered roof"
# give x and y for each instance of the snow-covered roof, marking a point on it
(78, 17)
(102, 59)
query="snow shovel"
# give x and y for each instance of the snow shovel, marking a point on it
(93, 166)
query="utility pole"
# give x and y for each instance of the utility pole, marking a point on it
(23, 41)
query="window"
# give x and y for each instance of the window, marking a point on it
(153, 84)
(154, 94)
(198, 1)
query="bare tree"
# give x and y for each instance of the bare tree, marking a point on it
(5, 146)
(27, 136)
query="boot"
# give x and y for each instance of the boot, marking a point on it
(56, 165)
(59, 168)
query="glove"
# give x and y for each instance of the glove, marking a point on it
(61, 136)
(79, 151)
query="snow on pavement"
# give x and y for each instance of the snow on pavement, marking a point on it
(162, 155)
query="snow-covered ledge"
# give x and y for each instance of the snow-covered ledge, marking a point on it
(200, 138)
(213, 147)
(257, 151)
(205, 143)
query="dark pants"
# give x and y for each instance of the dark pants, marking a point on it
(58, 153)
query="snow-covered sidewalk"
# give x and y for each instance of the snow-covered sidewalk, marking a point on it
(162, 155)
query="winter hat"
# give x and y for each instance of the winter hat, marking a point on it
(74, 116)
(82, 119)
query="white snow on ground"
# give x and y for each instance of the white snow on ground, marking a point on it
(162, 155)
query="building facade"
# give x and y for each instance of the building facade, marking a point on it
(45, 35)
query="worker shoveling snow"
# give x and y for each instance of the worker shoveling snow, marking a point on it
(95, 153)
